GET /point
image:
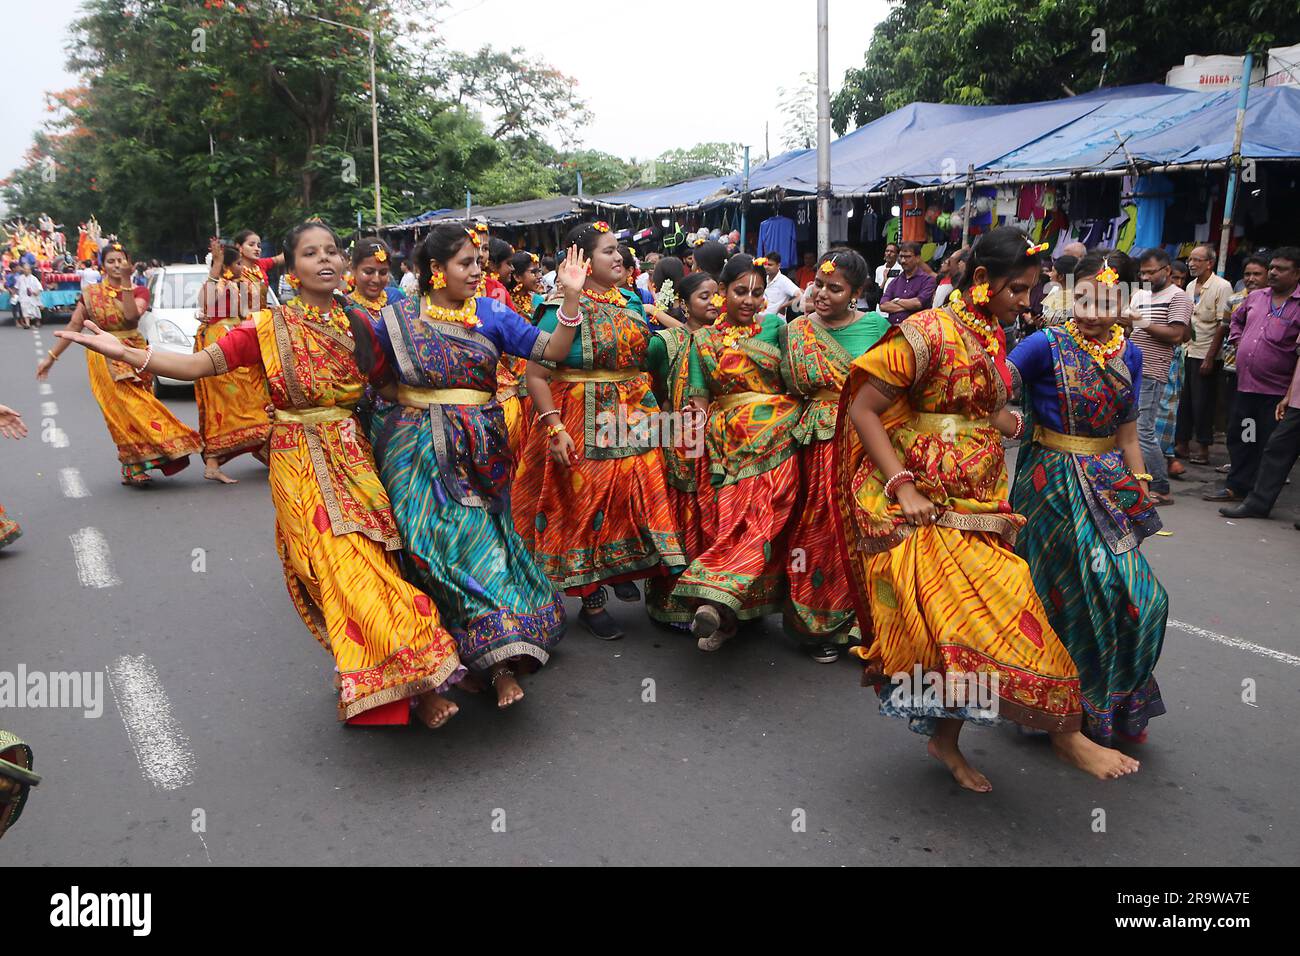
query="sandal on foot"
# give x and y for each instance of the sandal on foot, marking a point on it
(627, 591)
(825, 653)
(600, 623)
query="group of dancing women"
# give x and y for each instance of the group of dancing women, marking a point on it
(445, 467)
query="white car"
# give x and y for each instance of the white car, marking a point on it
(173, 317)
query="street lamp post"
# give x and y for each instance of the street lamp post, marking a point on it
(823, 132)
(374, 104)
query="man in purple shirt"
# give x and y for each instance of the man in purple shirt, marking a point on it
(1265, 328)
(913, 290)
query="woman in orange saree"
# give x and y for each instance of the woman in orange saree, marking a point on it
(334, 529)
(958, 629)
(735, 379)
(233, 417)
(512, 392)
(817, 351)
(594, 510)
(146, 433)
(11, 426)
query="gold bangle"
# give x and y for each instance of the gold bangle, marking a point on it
(52, 356)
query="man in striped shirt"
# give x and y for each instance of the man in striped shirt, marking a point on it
(1162, 315)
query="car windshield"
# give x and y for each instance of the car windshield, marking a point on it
(177, 290)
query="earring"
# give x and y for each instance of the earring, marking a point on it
(294, 281)
(588, 268)
(438, 280)
(979, 293)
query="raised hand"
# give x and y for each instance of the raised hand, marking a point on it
(571, 274)
(98, 340)
(11, 423)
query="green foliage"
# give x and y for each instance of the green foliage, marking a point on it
(1015, 51)
(704, 159)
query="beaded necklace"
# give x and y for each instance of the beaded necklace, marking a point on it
(986, 330)
(374, 305)
(609, 296)
(731, 334)
(335, 318)
(1103, 352)
(465, 315)
(113, 291)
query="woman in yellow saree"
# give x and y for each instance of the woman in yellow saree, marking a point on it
(335, 531)
(146, 433)
(957, 627)
(233, 417)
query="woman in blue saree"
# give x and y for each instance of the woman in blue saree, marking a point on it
(443, 455)
(1079, 482)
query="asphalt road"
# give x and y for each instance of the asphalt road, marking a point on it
(233, 710)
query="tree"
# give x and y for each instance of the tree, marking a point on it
(1015, 51)
(798, 104)
(704, 159)
(601, 172)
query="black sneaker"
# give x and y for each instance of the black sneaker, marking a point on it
(627, 591)
(601, 624)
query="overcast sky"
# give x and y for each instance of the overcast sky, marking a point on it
(657, 75)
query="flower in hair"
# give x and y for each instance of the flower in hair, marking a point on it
(1034, 250)
(718, 300)
(474, 237)
(601, 226)
(1107, 276)
(667, 295)
(534, 257)
(380, 255)
(828, 266)
(761, 261)
(480, 227)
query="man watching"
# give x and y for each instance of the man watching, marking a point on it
(912, 290)
(780, 291)
(1210, 294)
(1161, 315)
(1265, 329)
(890, 268)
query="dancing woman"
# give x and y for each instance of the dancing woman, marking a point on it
(818, 351)
(687, 466)
(735, 379)
(233, 417)
(929, 532)
(1080, 485)
(443, 456)
(334, 529)
(146, 433)
(11, 426)
(594, 510)
(527, 294)
(253, 266)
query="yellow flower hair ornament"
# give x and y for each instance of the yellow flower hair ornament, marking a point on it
(380, 255)
(718, 300)
(828, 266)
(601, 226)
(1034, 250)
(979, 293)
(1107, 276)
(761, 261)
(474, 238)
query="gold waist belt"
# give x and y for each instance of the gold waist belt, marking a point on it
(595, 374)
(426, 397)
(1072, 444)
(939, 424)
(825, 395)
(742, 398)
(312, 416)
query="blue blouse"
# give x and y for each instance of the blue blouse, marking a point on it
(1033, 360)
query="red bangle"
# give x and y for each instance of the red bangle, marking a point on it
(892, 484)
(1020, 425)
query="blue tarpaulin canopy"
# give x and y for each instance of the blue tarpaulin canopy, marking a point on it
(927, 144)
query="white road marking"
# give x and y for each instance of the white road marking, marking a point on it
(46, 388)
(49, 408)
(72, 485)
(94, 562)
(1238, 643)
(59, 438)
(160, 745)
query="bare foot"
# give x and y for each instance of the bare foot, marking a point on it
(212, 471)
(507, 688)
(1090, 757)
(946, 753)
(434, 710)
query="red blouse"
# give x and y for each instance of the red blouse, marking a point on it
(241, 350)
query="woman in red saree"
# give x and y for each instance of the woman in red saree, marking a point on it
(146, 433)
(818, 350)
(735, 379)
(334, 530)
(590, 499)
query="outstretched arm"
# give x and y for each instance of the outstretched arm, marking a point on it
(186, 368)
